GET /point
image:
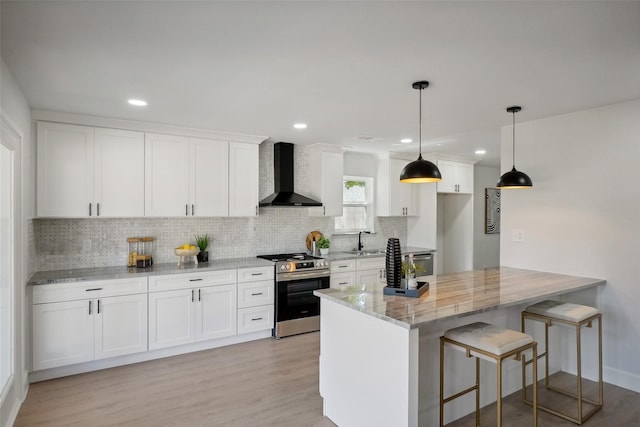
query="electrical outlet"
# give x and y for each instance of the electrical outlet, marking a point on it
(517, 235)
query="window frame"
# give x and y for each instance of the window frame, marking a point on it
(369, 206)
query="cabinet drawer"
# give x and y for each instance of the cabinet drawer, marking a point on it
(254, 319)
(370, 263)
(253, 294)
(343, 266)
(191, 280)
(74, 291)
(342, 280)
(255, 274)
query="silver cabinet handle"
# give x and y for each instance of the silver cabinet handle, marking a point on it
(256, 318)
(343, 283)
(193, 212)
(89, 307)
(256, 210)
(195, 280)
(324, 210)
(98, 306)
(199, 296)
(93, 289)
(256, 274)
(186, 209)
(193, 295)
(89, 209)
(98, 209)
(256, 294)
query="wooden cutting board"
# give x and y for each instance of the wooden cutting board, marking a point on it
(314, 235)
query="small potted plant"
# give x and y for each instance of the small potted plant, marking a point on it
(323, 244)
(203, 243)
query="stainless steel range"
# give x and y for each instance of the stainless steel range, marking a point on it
(297, 276)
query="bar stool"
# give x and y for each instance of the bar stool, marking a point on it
(489, 342)
(570, 315)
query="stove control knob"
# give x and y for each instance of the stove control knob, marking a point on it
(282, 267)
(288, 266)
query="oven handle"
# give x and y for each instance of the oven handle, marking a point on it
(288, 277)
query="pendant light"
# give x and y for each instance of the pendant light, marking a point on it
(420, 170)
(514, 178)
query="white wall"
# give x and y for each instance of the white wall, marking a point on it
(486, 247)
(582, 216)
(16, 112)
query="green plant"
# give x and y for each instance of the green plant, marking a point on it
(323, 243)
(202, 242)
(405, 266)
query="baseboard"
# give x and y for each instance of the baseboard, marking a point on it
(621, 378)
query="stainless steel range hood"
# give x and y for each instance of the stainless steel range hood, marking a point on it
(283, 180)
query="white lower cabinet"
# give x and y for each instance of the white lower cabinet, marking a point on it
(343, 274)
(256, 290)
(185, 308)
(69, 327)
(370, 271)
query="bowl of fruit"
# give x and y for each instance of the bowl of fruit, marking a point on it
(187, 250)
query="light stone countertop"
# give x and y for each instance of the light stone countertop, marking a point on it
(459, 294)
(107, 273)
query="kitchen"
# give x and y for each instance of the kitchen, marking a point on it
(569, 226)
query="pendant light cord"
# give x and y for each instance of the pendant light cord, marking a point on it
(420, 113)
(513, 147)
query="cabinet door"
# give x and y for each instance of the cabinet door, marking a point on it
(65, 175)
(62, 333)
(243, 179)
(327, 169)
(171, 318)
(448, 172)
(120, 325)
(368, 277)
(253, 319)
(253, 294)
(166, 170)
(464, 176)
(216, 312)
(119, 179)
(209, 186)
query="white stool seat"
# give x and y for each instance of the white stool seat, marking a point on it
(489, 338)
(563, 310)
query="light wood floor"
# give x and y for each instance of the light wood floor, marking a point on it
(262, 383)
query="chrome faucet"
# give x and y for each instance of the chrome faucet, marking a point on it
(360, 245)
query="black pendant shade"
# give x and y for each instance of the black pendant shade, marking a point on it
(514, 178)
(420, 170)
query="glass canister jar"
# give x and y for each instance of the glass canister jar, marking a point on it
(147, 249)
(133, 243)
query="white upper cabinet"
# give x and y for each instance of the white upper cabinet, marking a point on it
(209, 174)
(89, 172)
(326, 170)
(167, 177)
(243, 179)
(457, 177)
(185, 176)
(394, 198)
(119, 179)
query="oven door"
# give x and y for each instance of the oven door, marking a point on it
(294, 297)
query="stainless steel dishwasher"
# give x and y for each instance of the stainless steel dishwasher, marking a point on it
(424, 263)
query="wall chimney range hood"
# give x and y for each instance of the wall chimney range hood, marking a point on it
(283, 180)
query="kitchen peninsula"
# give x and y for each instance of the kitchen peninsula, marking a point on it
(379, 354)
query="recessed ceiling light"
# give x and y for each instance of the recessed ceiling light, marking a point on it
(300, 126)
(138, 102)
(481, 151)
(406, 140)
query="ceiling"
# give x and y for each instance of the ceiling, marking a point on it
(344, 68)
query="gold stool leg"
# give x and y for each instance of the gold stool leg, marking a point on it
(477, 392)
(441, 382)
(535, 384)
(600, 385)
(579, 371)
(499, 397)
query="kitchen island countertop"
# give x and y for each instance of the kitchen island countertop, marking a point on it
(458, 294)
(107, 273)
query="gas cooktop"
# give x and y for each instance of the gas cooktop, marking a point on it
(289, 257)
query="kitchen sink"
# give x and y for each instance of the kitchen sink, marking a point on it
(367, 252)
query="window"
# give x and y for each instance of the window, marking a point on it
(357, 205)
